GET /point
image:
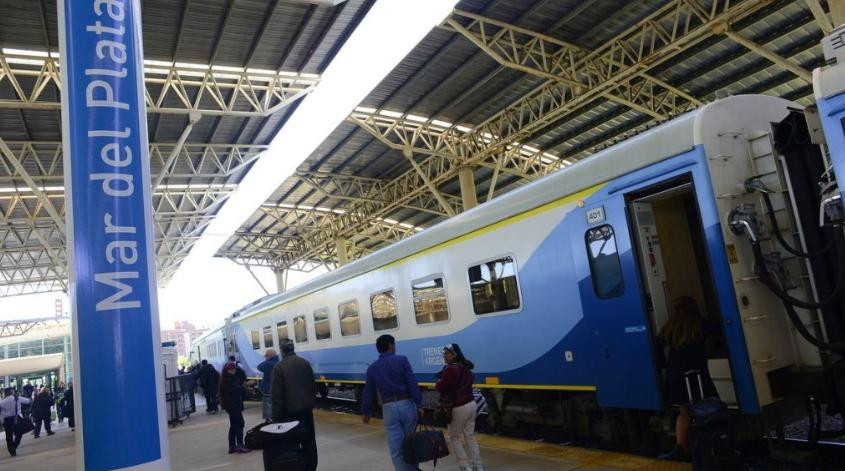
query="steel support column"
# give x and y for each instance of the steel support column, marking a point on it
(342, 253)
(281, 280)
(837, 11)
(466, 176)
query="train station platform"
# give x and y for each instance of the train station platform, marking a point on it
(344, 443)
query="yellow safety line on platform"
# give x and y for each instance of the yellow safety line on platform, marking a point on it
(548, 387)
(584, 457)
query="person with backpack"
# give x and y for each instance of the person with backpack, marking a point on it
(41, 409)
(456, 399)
(10, 414)
(231, 400)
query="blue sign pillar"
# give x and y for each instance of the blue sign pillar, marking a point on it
(118, 387)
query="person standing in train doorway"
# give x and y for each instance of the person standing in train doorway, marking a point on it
(401, 399)
(454, 384)
(293, 392)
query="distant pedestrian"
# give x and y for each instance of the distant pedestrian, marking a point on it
(210, 382)
(68, 407)
(231, 400)
(10, 412)
(293, 393)
(401, 399)
(41, 408)
(455, 387)
(266, 369)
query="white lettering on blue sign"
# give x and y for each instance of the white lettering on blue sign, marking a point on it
(635, 329)
(432, 356)
(595, 215)
(107, 179)
(114, 152)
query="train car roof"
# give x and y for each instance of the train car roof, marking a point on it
(659, 143)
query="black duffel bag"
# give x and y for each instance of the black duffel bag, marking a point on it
(23, 425)
(424, 445)
(269, 433)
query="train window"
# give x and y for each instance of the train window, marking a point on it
(322, 329)
(383, 306)
(268, 337)
(299, 330)
(349, 322)
(256, 340)
(493, 286)
(604, 262)
(282, 331)
(430, 300)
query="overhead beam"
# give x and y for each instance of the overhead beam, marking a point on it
(170, 88)
(775, 58)
(622, 61)
(550, 58)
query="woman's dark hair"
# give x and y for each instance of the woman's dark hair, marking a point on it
(459, 355)
(685, 325)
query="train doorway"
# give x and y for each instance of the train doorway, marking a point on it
(673, 262)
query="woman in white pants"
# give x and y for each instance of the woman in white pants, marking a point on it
(455, 387)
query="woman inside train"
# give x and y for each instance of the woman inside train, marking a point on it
(684, 336)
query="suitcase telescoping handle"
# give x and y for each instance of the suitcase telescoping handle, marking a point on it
(697, 375)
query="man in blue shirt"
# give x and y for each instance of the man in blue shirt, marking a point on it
(401, 400)
(266, 369)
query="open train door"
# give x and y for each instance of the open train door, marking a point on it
(612, 301)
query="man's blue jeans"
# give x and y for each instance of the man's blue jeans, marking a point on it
(400, 419)
(266, 406)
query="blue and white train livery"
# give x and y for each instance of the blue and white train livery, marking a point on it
(557, 290)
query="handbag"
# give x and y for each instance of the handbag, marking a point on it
(425, 444)
(443, 412)
(23, 425)
(267, 434)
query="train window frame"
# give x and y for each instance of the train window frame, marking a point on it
(518, 286)
(268, 329)
(285, 322)
(293, 325)
(372, 316)
(255, 337)
(358, 313)
(327, 320)
(590, 260)
(431, 277)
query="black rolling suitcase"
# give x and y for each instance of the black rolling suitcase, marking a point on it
(711, 438)
(280, 444)
(288, 456)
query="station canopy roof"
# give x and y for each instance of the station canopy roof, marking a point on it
(510, 89)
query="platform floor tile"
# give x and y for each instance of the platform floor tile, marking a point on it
(344, 444)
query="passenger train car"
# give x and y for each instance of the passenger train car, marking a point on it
(557, 290)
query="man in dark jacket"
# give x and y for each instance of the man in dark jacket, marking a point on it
(293, 392)
(41, 411)
(210, 381)
(266, 369)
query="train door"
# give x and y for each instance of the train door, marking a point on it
(673, 263)
(612, 302)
